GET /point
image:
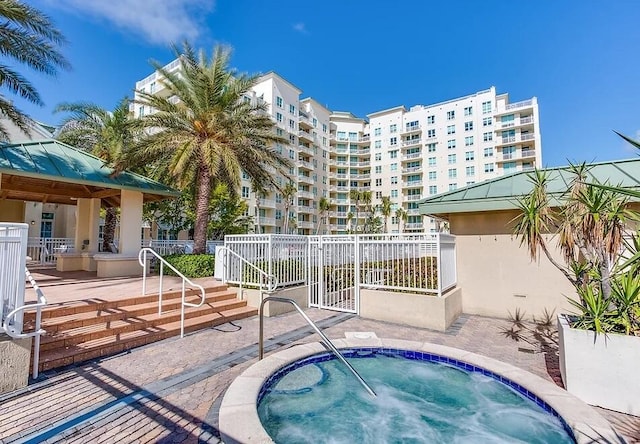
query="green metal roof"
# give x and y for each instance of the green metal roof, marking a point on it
(57, 161)
(501, 193)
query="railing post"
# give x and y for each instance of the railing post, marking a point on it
(356, 271)
(182, 312)
(144, 272)
(161, 288)
(439, 264)
(270, 255)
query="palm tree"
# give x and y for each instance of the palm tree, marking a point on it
(105, 134)
(385, 210)
(28, 37)
(324, 205)
(356, 196)
(260, 193)
(402, 216)
(349, 219)
(288, 195)
(204, 130)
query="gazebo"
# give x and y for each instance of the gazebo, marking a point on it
(50, 171)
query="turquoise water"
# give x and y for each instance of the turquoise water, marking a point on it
(418, 401)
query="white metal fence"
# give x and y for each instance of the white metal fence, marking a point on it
(13, 253)
(336, 267)
(165, 247)
(42, 250)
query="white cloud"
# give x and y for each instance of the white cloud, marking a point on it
(157, 21)
(301, 28)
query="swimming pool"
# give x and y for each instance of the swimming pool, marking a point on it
(282, 389)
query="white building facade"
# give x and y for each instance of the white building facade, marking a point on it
(406, 154)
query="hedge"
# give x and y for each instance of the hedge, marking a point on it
(191, 265)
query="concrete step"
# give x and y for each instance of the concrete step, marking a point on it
(111, 344)
(56, 324)
(103, 328)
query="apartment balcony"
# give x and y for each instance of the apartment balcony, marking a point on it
(412, 156)
(411, 129)
(267, 221)
(304, 165)
(338, 227)
(527, 136)
(412, 142)
(412, 184)
(511, 107)
(412, 197)
(267, 203)
(305, 209)
(306, 194)
(342, 188)
(518, 138)
(414, 226)
(340, 201)
(413, 211)
(307, 149)
(360, 164)
(340, 214)
(362, 177)
(364, 151)
(305, 224)
(415, 169)
(305, 135)
(528, 153)
(341, 175)
(305, 179)
(516, 123)
(304, 121)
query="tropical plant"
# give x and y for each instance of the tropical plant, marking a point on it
(349, 220)
(28, 38)
(288, 198)
(106, 134)
(356, 196)
(324, 205)
(591, 222)
(401, 216)
(385, 209)
(260, 192)
(204, 131)
(226, 213)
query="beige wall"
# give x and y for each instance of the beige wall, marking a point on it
(495, 272)
(299, 294)
(15, 355)
(11, 211)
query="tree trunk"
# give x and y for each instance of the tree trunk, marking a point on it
(110, 222)
(203, 194)
(259, 231)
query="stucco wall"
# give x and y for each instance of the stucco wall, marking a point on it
(15, 355)
(299, 294)
(496, 273)
(11, 211)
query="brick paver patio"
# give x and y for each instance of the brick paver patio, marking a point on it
(169, 391)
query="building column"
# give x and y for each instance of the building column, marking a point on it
(130, 222)
(87, 225)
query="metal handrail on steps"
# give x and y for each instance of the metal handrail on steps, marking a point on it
(142, 259)
(37, 331)
(272, 280)
(324, 338)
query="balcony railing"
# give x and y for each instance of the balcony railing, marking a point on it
(412, 169)
(268, 203)
(412, 183)
(411, 156)
(527, 136)
(411, 142)
(414, 197)
(522, 104)
(528, 153)
(305, 135)
(510, 139)
(306, 194)
(267, 221)
(526, 120)
(414, 226)
(411, 128)
(305, 209)
(340, 214)
(305, 179)
(508, 156)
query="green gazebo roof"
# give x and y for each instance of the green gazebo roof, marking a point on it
(501, 193)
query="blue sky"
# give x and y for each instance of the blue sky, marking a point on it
(579, 58)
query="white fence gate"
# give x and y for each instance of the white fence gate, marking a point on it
(13, 253)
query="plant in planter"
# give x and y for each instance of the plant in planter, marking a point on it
(594, 224)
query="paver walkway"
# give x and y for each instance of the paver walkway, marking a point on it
(169, 391)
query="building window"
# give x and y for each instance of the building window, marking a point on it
(453, 173)
(394, 193)
(378, 182)
(378, 194)
(433, 189)
(468, 126)
(451, 144)
(377, 131)
(394, 180)
(394, 167)
(292, 154)
(451, 115)
(451, 158)
(486, 107)
(468, 111)
(431, 147)
(393, 154)
(245, 192)
(468, 141)
(431, 120)
(451, 129)
(393, 128)
(279, 102)
(292, 109)
(292, 124)
(378, 156)
(487, 137)
(378, 169)
(433, 175)
(393, 141)
(141, 111)
(487, 121)
(377, 144)
(453, 186)
(488, 168)
(488, 152)
(432, 161)
(279, 117)
(431, 133)
(470, 171)
(469, 156)
(324, 127)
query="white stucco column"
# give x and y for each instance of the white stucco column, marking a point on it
(130, 222)
(87, 225)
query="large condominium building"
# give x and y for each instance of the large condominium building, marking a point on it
(406, 154)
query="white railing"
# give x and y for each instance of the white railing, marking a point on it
(44, 249)
(447, 273)
(521, 104)
(527, 136)
(411, 142)
(283, 256)
(142, 259)
(13, 253)
(411, 156)
(165, 247)
(266, 282)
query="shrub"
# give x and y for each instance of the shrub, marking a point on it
(191, 265)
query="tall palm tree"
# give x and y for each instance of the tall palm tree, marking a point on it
(349, 219)
(260, 193)
(385, 210)
(105, 134)
(356, 196)
(365, 198)
(205, 131)
(402, 216)
(27, 37)
(324, 205)
(288, 195)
